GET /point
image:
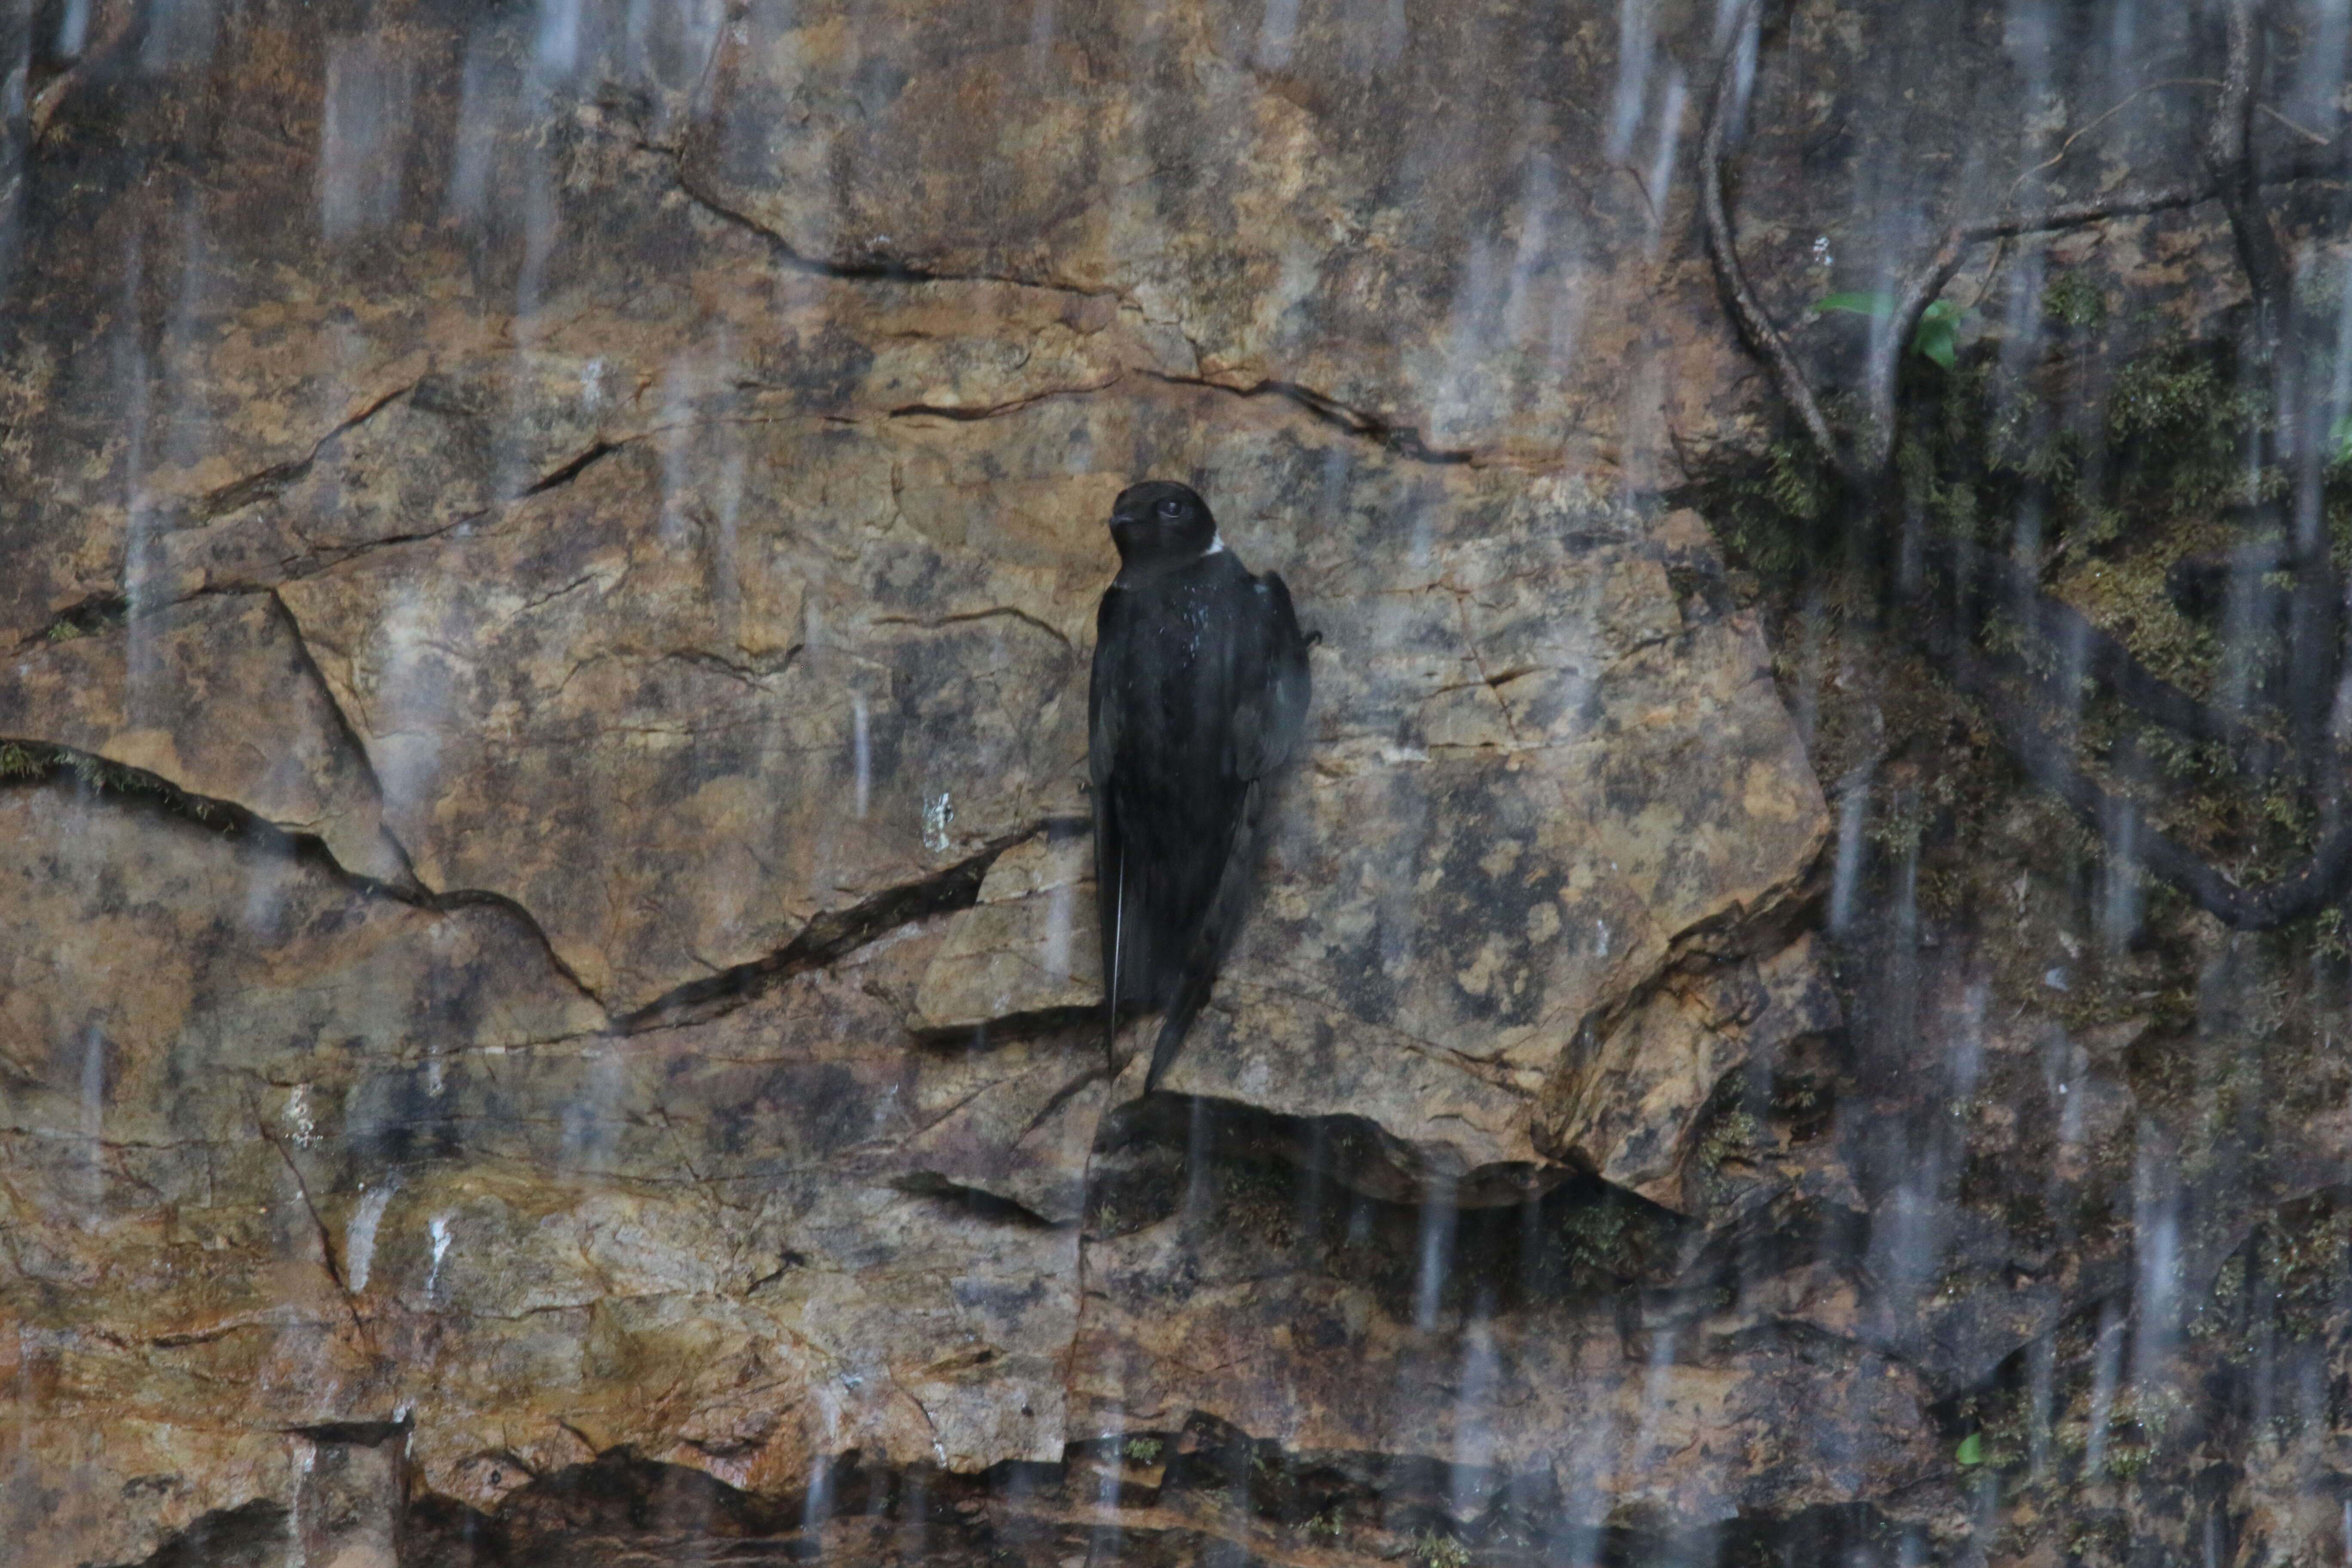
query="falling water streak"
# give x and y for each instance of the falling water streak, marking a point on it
(816, 1506)
(1480, 1377)
(1586, 1475)
(861, 748)
(135, 375)
(1439, 1217)
(1658, 184)
(296, 1556)
(1655, 1377)
(2156, 1230)
(1198, 1136)
(680, 460)
(2041, 1393)
(1311, 1178)
(362, 137)
(2106, 1367)
(359, 1236)
(299, 1122)
(2233, 683)
(539, 223)
(1968, 1045)
(1469, 359)
(592, 1121)
(1636, 41)
(727, 506)
(406, 713)
(93, 1120)
(1854, 802)
(73, 29)
(180, 33)
(2026, 539)
(438, 1228)
(1538, 197)
(2026, 35)
(467, 197)
(2122, 41)
(2120, 876)
(1061, 905)
(556, 49)
(2339, 390)
(1276, 32)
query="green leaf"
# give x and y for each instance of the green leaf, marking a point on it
(1934, 342)
(1971, 1449)
(1939, 323)
(1880, 305)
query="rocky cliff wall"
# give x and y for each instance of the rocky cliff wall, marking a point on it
(552, 553)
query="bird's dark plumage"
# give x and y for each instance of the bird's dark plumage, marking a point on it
(1199, 696)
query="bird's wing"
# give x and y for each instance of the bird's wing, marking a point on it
(1268, 719)
(1271, 684)
(1106, 714)
(1220, 923)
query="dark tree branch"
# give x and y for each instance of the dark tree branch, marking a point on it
(2042, 749)
(1762, 337)
(2229, 162)
(1994, 580)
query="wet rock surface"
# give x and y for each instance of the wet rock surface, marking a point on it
(550, 1014)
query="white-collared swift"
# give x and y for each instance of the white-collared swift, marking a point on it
(1198, 697)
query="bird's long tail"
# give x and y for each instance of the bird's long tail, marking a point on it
(1110, 967)
(1191, 997)
(1207, 951)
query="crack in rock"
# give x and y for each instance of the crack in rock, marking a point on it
(1403, 440)
(596, 452)
(26, 762)
(273, 480)
(978, 1202)
(828, 936)
(1010, 612)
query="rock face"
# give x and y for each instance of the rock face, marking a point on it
(552, 996)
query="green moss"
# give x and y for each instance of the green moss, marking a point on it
(31, 762)
(2072, 300)
(1434, 1549)
(1728, 1137)
(1602, 1241)
(20, 762)
(1142, 1450)
(1769, 516)
(2304, 1254)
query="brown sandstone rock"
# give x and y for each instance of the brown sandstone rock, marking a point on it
(613, 526)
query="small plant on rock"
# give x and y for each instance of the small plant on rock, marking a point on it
(1436, 1549)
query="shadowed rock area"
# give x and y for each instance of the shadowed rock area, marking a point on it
(551, 1008)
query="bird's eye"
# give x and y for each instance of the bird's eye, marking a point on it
(1171, 507)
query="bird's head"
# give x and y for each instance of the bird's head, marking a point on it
(1161, 523)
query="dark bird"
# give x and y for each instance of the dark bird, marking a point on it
(1199, 696)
